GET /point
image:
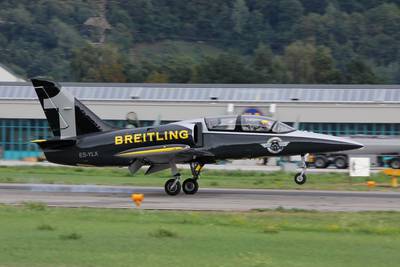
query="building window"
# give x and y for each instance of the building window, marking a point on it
(346, 129)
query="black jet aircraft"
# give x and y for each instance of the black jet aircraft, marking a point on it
(82, 139)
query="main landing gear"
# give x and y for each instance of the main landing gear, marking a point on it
(300, 178)
(190, 186)
(173, 186)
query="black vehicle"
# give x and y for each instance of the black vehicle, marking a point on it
(83, 139)
(383, 151)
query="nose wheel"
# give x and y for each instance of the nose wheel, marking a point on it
(300, 178)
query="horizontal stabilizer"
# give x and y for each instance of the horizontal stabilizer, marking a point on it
(54, 143)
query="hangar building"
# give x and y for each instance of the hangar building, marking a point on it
(6, 75)
(331, 109)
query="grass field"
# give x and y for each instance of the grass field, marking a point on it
(209, 178)
(34, 235)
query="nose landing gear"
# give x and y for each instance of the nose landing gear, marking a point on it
(300, 178)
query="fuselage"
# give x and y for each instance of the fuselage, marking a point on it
(241, 137)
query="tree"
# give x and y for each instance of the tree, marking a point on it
(315, 6)
(179, 70)
(138, 72)
(263, 57)
(240, 15)
(67, 36)
(225, 68)
(45, 37)
(268, 68)
(307, 63)
(298, 58)
(357, 72)
(157, 77)
(285, 15)
(97, 64)
(324, 66)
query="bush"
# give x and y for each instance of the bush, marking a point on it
(45, 227)
(271, 229)
(40, 206)
(71, 236)
(163, 233)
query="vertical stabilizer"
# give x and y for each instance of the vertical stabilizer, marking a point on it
(66, 115)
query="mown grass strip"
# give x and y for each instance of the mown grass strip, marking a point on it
(209, 178)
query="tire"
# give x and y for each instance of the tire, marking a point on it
(340, 162)
(172, 191)
(395, 164)
(300, 179)
(321, 162)
(190, 186)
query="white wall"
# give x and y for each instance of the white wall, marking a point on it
(7, 76)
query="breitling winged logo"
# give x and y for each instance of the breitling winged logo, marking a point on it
(275, 145)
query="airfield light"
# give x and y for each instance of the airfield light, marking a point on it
(272, 108)
(371, 184)
(231, 108)
(394, 181)
(137, 199)
(393, 174)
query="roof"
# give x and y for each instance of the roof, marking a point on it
(99, 22)
(216, 92)
(7, 75)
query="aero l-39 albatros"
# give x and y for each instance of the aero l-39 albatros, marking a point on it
(81, 138)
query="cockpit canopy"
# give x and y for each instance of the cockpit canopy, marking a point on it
(247, 123)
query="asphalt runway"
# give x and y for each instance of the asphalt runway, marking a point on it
(236, 165)
(205, 199)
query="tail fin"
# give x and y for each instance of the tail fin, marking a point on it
(66, 115)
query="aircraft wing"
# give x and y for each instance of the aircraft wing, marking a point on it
(164, 153)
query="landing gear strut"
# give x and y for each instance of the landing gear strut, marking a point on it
(190, 185)
(300, 178)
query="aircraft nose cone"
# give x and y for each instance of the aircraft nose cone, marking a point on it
(342, 144)
(317, 143)
(350, 145)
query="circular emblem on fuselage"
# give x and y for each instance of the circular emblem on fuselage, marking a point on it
(275, 145)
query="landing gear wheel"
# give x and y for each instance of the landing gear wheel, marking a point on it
(341, 162)
(172, 187)
(395, 164)
(190, 186)
(300, 178)
(321, 162)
